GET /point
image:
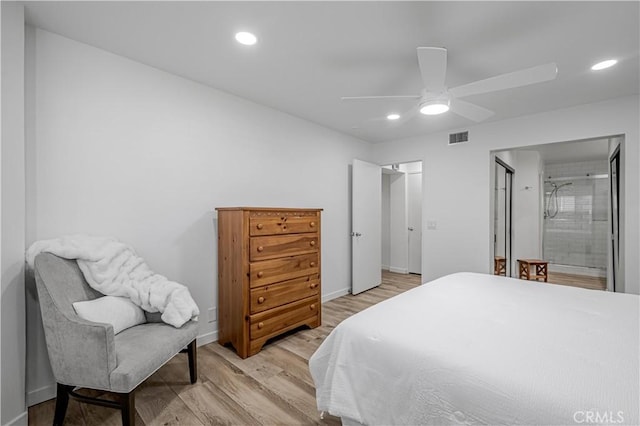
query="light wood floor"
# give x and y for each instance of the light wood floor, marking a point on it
(583, 281)
(271, 387)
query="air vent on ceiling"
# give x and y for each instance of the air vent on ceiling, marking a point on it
(455, 138)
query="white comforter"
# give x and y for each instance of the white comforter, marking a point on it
(479, 349)
(114, 269)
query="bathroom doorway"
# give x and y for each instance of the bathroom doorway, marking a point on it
(566, 209)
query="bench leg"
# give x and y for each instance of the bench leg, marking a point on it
(542, 270)
(524, 271)
(192, 353)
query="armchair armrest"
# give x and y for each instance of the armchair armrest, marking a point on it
(82, 353)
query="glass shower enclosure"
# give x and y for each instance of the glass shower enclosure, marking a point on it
(575, 230)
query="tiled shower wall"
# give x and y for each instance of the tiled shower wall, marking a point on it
(578, 234)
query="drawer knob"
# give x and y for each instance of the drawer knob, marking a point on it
(313, 285)
(312, 307)
(260, 248)
(312, 264)
(260, 299)
(260, 325)
(260, 274)
(259, 226)
(312, 243)
(312, 224)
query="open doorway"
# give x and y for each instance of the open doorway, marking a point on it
(402, 218)
(566, 209)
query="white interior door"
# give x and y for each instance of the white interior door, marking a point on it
(366, 226)
(414, 201)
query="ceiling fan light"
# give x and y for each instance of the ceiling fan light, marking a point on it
(434, 108)
(393, 116)
(604, 64)
(246, 38)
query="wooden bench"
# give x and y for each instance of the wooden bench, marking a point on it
(532, 269)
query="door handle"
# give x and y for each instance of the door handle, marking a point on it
(410, 228)
(356, 234)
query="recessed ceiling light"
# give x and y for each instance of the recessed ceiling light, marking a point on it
(434, 108)
(604, 64)
(393, 116)
(246, 38)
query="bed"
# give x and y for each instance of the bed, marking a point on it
(482, 349)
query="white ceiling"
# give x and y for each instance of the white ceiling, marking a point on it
(309, 54)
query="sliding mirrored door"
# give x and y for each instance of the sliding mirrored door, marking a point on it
(502, 218)
(614, 178)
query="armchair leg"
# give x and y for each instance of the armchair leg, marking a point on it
(128, 408)
(192, 353)
(62, 401)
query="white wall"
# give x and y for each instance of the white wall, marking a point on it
(123, 149)
(456, 179)
(12, 231)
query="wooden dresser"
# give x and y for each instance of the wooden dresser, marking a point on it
(268, 274)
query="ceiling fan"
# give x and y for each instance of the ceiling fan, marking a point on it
(436, 98)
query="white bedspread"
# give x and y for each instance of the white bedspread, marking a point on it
(114, 269)
(480, 349)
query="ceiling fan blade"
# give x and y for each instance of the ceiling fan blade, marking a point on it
(471, 111)
(507, 81)
(368, 98)
(433, 67)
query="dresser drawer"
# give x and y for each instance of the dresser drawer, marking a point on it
(273, 321)
(285, 224)
(275, 270)
(269, 247)
(274, 295)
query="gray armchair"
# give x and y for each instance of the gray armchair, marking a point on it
(86, 354)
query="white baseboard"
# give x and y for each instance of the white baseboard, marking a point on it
(398, 270)
(207, 338)
(335, 294)
(385, 267)
(20, 420)
(42, 394)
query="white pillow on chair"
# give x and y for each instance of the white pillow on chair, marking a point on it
(120, 312)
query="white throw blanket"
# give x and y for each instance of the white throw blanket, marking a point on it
(114, 269)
